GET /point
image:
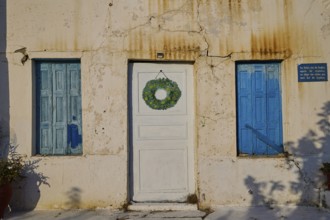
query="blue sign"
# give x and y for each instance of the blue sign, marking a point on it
(312, 72)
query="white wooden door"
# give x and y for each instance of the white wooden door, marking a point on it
(163, 140)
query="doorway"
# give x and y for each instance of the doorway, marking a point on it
(161, 132)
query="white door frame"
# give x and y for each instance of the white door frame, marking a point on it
(191, 105)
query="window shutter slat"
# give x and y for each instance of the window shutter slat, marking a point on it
(44, 112)
(74, 109)
(59, 109)
(274, 119)
(259, 92)
(245, 109)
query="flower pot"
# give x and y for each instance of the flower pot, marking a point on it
(6, 192)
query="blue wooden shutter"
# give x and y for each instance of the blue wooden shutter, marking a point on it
(259, 109)
(244, 98)
(59, 109)
(44, 109)
(259, 97)
(274, 109)
(74, 140)
(59, 117)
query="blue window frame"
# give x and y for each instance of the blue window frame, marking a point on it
(58, 108)
(259, 110)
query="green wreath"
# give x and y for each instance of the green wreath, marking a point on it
(173, 93)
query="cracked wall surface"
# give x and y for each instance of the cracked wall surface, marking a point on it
(106, 34)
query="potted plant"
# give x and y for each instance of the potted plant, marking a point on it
(326, 171)
(10, 170)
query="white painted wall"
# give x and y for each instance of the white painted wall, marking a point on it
(106, 34)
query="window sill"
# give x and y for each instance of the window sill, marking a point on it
(57, 155)
(248, 156)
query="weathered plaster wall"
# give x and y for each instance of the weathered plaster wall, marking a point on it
(105, 34)
(291, 31)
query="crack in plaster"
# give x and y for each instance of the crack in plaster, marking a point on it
(309, 9)
(204, 51)
(326, 17)
(309, 183)
(304, 176)
(326, 3)
(304, 25)
(202, 31)
(179, 10)
(107, 27)
(161, 16)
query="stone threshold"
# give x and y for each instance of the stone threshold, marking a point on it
(162, 207)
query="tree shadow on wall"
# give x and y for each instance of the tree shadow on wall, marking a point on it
(304, 181)
(304, 159)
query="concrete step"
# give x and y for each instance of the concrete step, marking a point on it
(162, 207)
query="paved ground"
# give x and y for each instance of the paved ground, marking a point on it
(223, 213)
(106, 214)
(266, 213)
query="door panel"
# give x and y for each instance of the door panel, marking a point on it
(168, 167)
(162, 143)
